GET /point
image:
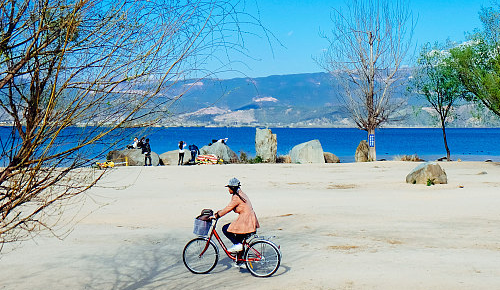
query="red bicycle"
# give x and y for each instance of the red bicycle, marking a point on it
(261, 256)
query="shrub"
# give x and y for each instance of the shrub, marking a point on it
(243, 157)
(413, 158)
(283, 159)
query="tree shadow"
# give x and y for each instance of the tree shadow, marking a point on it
(157, 264)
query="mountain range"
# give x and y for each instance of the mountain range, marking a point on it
(296, 100)
(299, 100)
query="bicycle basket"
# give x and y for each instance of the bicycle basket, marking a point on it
(201, 228)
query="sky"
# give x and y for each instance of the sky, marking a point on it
(297, 25)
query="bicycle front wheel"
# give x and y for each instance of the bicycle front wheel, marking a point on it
(196, 259)
(262, 258)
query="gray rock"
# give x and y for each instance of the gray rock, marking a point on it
(221, 150)
(308, 152)
(331, 158)
(172, 157)
(427, 171)
(362, 152)
(134, 157)
(266, 145)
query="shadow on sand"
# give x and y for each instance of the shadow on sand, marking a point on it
(157, 264)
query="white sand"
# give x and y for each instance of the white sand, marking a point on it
(340, 226)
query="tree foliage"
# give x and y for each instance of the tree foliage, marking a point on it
(478, 61)
(73, 73)
(368, 45)
(438, 82)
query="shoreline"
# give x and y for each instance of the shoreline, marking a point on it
(5, 124)
(464, 143)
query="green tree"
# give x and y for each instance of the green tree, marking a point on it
(436, 79)
(478, 61)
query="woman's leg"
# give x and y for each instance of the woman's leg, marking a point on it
(181, 159)
(232, 237)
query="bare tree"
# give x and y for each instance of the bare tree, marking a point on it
(73, 73)
(368, 45)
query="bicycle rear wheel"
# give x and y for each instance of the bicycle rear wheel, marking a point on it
(197, 263)
(263, 258)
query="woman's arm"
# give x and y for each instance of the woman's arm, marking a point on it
(235, 201)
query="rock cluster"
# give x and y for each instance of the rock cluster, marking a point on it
(265, 147)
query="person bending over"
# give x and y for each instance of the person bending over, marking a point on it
(246, 223)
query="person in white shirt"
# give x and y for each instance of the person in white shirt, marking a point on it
(182, 146)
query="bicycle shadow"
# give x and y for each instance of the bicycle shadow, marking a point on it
(228, 264)
(155, 263)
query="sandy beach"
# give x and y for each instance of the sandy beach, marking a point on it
(340, 226)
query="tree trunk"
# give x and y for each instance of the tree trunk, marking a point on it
(372, 153)
(443, 127)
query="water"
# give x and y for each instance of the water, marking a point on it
(468, 144)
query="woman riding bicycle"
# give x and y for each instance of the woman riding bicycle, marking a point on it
(245, 224)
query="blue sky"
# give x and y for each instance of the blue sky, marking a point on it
(297, 25)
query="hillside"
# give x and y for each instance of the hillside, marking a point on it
(299, 100)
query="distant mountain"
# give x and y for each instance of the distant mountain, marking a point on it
(298, 100)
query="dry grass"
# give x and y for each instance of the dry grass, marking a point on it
(343, 247)
(394, 242)
(413, 158)
(341, 186)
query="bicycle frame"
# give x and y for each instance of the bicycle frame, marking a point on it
(237, 256)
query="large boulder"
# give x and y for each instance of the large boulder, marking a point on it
(266, 145)
(221, 150)
(362, 152)
(331, 158)
(172, 157)
(308, 152)
(427, 172)
(134, 157)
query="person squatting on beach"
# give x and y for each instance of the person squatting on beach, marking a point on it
(246, 223)
(194, 150)
(182, 145)
(146, 149)
(134, 144)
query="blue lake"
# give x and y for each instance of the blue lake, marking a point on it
(468, 144)
(464, 143)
